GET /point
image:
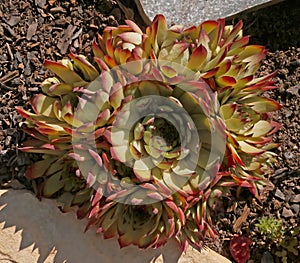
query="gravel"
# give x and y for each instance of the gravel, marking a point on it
(190, 12)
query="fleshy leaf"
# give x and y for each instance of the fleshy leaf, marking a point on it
(246, 147)
(53, 184)
(197, 58)
(37, 169)
(87, 69)
(64, 73)
(263, 105)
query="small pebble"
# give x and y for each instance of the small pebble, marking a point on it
(279, 194)
(288, 155)
(295, 208)
(267, 258)
(295, 199)
(7, 140)
(286, 213)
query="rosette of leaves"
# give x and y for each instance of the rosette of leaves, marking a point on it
(215, 85)
(154, 165)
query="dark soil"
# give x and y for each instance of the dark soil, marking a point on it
(277, 28)
(32, 31)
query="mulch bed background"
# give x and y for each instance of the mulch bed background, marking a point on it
(32, 31)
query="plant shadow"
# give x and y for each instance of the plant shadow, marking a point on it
(51, 236)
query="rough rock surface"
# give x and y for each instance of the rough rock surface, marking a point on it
(34, 231)
(189, 12)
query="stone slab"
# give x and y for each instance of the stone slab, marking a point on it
(193, 12)
(36, 231)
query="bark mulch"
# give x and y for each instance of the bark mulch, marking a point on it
(277, 28)
(32, 31)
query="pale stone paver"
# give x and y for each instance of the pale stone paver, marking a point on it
(33, 231)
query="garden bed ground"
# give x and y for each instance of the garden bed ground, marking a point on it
(32, 31)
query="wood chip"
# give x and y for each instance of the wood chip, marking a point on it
(13, 20)
(77, 34)
(9, 76)
(33, 45)
(57, 9)
(65, 41)
(238, 223)
(51, 2)
(9, 52)
(9, 29)
(31, 31)
(295, 90)
(40, 3)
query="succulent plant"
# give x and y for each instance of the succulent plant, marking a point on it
(271, 228)
(240, 248)
(137, 137)
(277, 239)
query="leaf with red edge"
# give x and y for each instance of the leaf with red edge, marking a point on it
(33, 133)
(98, 52)
(88, 71)
(90, 179)
(168, 71)
(64, 73)
(223, 68)
(263, 80)
(96, 157)
(101, 64)
(209, 26)
(276, 126)
(248, 148)
(131, 37)
(60, 89)
(97, 196)
(261, 128)
(43, 105)
(234, 124)
(197, 58)
(234, 32)
(38, 169)
(133, 26)
(262, 105)
(109, 48)
(192, 32)
(77, 157)
(210, 73)
(214, 62)
(33, 144)
(161, 28)
(227, 110)
(250, 51)
(42, 150)
(235, 155)
(122, 55)
(110, 61)
(240, 43)
(176, 53)
(226, 81)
